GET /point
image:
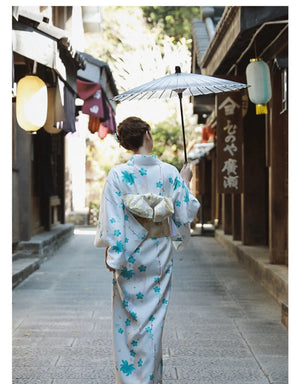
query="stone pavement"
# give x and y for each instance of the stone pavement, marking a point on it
(222, 327)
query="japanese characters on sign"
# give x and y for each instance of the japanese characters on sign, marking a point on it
(229, 143)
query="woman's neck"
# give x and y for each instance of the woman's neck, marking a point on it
(142, 151)
(146, 147)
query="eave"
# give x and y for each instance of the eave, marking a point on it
(234, 33)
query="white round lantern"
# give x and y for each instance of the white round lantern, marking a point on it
(31, 103)
(259, 79)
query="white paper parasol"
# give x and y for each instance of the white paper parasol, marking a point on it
(180, 84)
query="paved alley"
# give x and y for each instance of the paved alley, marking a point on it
(222, 327)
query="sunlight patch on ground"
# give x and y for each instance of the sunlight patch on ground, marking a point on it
(83, 231)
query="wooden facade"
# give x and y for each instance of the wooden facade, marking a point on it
(38, 182)
(39, 172)
(257, 213)
(39, 158)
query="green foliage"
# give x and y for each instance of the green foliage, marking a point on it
(133, 49)
(174, 21)
(167, 141)
(138, 52)
(101, 156)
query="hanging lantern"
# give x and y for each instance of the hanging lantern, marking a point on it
(55, 111)
(102, 132)
(94, 124)
(259, 79)
(31, 103)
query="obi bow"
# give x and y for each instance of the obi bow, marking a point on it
(149, 206)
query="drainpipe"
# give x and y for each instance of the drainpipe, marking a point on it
(207, 17)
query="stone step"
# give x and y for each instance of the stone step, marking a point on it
(22, 255)
(44, 244)
(22, 268)
(285, 313)
(29, 255)
(274, 278)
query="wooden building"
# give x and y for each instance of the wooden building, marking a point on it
(245, 195)
(41, 46)
(43, 50)
(256, 211)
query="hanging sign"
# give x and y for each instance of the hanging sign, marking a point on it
(229, 142)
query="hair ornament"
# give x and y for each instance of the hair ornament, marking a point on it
(117, 137)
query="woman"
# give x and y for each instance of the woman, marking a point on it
(146, 208)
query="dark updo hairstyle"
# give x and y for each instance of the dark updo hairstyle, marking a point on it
(131, 132)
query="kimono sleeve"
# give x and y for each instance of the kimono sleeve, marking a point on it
(186, 207)
(110, 229)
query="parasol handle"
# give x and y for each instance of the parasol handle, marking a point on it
(182, 126)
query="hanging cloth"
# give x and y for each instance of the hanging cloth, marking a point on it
(110, 123)
(93, 96)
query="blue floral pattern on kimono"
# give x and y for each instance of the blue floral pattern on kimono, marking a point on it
(143, 264)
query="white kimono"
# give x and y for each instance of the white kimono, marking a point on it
(146, 209)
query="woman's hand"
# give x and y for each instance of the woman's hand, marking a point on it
(107, 266)
(186, 173)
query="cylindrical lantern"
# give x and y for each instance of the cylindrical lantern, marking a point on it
(94, 124)
(259, 79)
(31, 103)
(102, 131)
(52, 118)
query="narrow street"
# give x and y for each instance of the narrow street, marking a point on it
(222, 327)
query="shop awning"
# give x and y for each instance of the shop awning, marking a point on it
(200, 150)
(98, 72)
(34, 38)
(234, 32)
(96, 87)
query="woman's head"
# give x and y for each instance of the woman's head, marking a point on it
(131, 132)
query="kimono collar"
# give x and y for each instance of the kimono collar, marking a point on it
(143, 160)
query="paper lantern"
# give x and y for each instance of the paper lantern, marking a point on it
(31, 103)
(103, 131)
(259, 79)
(55, 113)
(94, 124)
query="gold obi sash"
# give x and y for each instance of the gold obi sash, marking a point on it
(151, 211)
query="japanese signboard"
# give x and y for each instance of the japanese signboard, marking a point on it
(229, 142)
